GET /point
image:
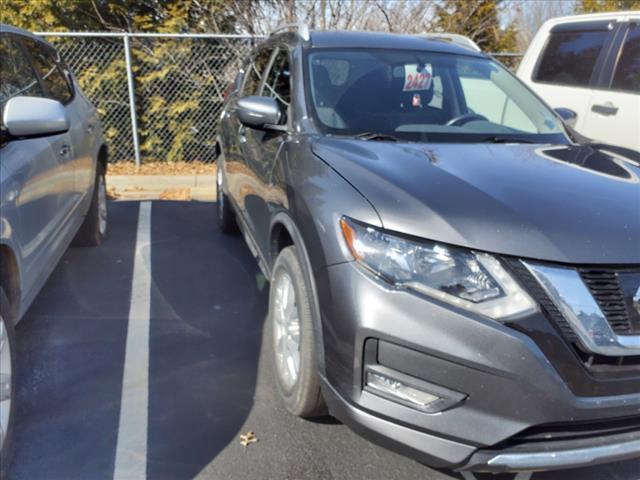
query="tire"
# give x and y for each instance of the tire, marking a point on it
(7, 365)
(94, 228)
(301, 392)
(226, 215)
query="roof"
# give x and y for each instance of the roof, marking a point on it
(635, 14)
(454, 38)
(351, 39)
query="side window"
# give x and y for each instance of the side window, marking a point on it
(16, 75)
(627, 74)
(46, 62)
(255, 72)
(570, 57)
(277, 84)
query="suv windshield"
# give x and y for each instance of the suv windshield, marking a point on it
(424, 96)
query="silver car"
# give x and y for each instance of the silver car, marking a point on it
(53, 160)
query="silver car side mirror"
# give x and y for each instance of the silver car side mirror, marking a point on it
(34, 117)
(259, 112)
(568, 116)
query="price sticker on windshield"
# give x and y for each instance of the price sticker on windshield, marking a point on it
(417, 79)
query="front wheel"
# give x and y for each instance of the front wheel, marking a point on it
(94, 228)
(293, 337)
(7, 384)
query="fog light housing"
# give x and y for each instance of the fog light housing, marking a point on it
(409, 391)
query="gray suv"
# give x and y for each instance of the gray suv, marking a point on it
(454, 273)
(53, 160)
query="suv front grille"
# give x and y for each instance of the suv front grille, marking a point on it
(604, 285)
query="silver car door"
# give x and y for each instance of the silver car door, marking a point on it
(33, 175)
(56, 85)
(84, 131)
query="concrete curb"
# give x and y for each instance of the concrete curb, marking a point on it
(160, 182)
(149, 187)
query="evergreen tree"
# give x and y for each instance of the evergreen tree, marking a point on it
(478, 20)
(173, 123)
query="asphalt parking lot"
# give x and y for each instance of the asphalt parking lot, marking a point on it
(208, 378)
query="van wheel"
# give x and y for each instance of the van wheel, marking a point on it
(294, 352)
(94, 228)
(7, 384)
(226, 215)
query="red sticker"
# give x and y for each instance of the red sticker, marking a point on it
(415, 80)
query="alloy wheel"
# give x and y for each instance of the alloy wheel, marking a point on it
(219, 195)
(286, 331)
(5, 381)
(102, 205)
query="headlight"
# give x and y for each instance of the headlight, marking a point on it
(471, 280)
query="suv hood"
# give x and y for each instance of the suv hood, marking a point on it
(572, 204)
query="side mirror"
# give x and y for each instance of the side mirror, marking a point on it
(258, 112)
(568, 116)
(34, 117)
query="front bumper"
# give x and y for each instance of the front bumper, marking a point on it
(547, 456)
(443, 453)
(509, 384)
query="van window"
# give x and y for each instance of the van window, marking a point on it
(570, 57)
(627, 75)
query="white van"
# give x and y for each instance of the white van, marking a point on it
(590, 64)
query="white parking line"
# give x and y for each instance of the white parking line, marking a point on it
(131, 450)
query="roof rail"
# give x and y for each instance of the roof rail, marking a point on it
(301, 28)
(454, 38)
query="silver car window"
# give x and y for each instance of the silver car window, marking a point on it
(18, 78)
(45, 60)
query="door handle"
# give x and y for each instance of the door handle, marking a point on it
(606, 109)
(65, 150)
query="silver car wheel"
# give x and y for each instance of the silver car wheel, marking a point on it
(5, 381)
(286, 331)
(102, 205)
(219, 195)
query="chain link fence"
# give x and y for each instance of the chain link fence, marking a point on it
(99, 65)
(173, 84)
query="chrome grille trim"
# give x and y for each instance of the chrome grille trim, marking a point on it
(573, 299)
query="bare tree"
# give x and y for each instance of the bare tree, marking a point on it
(262, 16)
(529, 15)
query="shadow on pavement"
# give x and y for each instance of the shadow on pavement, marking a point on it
(210, 375)
(208, 302)
(71, 348)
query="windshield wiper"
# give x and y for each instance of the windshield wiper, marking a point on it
(377, 136)
(501, 139)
